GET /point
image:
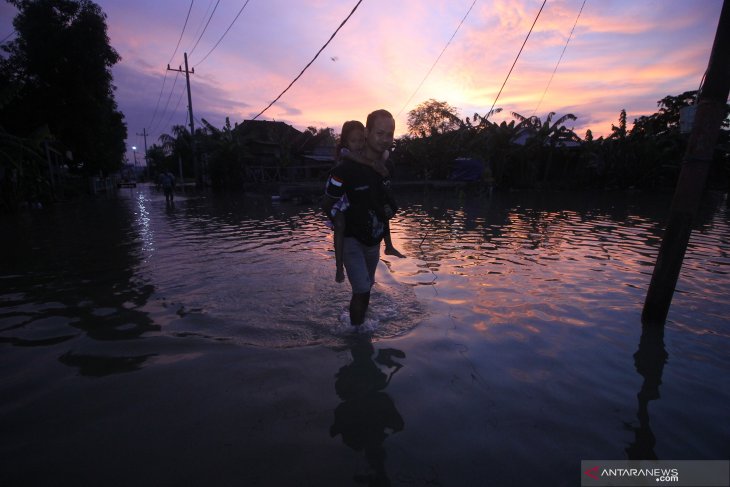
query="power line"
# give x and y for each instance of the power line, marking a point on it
(159, 97)
(162, 89)
(560, 59)
(202, 20)
(206, 26)
(174, 112)
(167, 103)
(224, 34)
(8, 37)
(437, 59)
(181, 33)
(516, 58)
(310, 62)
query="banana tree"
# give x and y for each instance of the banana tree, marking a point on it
(541, 136)
(177, 147)
(227, 152)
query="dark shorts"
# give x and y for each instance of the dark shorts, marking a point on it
(360, 262)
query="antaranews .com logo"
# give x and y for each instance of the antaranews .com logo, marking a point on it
(680, 473)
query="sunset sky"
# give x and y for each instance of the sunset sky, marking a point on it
(623, 54)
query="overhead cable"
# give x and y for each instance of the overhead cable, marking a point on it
(174, 111)
(181, 33)
(202, 19)
(437, 59)
(224, 34)
(559, 59)
(516, 58)
(167, 103)
(159, 97)
(206, 26)
(8, 37)
(168, 122)
(310, 62)
(164, 78)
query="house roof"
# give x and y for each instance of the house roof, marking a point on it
(267, 131)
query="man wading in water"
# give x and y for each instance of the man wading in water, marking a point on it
(365, 217)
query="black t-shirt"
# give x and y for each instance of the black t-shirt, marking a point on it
(364, 190)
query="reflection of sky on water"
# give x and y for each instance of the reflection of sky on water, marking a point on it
(507, 266)
(519, 316)
(568, 265)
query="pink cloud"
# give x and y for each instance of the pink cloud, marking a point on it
(623, 54)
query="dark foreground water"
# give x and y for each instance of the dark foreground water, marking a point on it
(207, 344)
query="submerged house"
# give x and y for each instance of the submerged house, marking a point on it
(268, 148)
(276, 151)
(316, 155)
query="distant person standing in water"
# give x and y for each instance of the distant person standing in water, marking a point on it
(167, 180)
(365, 216)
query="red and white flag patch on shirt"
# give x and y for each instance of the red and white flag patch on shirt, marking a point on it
(334, 181)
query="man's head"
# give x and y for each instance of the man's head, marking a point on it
(379, 131)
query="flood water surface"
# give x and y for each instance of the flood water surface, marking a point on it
(209, 342)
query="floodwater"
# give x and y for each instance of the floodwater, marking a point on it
(207, 343)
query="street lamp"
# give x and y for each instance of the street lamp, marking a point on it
(134, 151)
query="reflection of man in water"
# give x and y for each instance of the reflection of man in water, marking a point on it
(649, 361)
(366, 413)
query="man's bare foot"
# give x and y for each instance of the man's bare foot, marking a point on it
(340, 275)
(394, 251)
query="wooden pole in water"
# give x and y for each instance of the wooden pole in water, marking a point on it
(693, 175)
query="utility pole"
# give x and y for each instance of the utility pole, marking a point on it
(711, 105)
(198, 176)
(146, 161)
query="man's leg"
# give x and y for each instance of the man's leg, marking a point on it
(371, 257)
(358, 308)
(356, 264)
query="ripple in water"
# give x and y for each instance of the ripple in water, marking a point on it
(247, 271)
(264, 281)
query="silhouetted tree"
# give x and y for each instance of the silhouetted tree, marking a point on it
(177, 148)
(59, 67)
(227, 152)
(667, 118)
(620, 131)
(433, 117)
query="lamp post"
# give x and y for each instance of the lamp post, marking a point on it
(136, 170)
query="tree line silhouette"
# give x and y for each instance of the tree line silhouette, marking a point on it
(60, 126)
(524, 153)
(528, 152)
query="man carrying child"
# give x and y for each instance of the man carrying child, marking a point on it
(366, 215)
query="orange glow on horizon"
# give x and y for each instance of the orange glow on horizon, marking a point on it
(622, 55)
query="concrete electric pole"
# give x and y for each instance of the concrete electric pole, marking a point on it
(198, 175)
